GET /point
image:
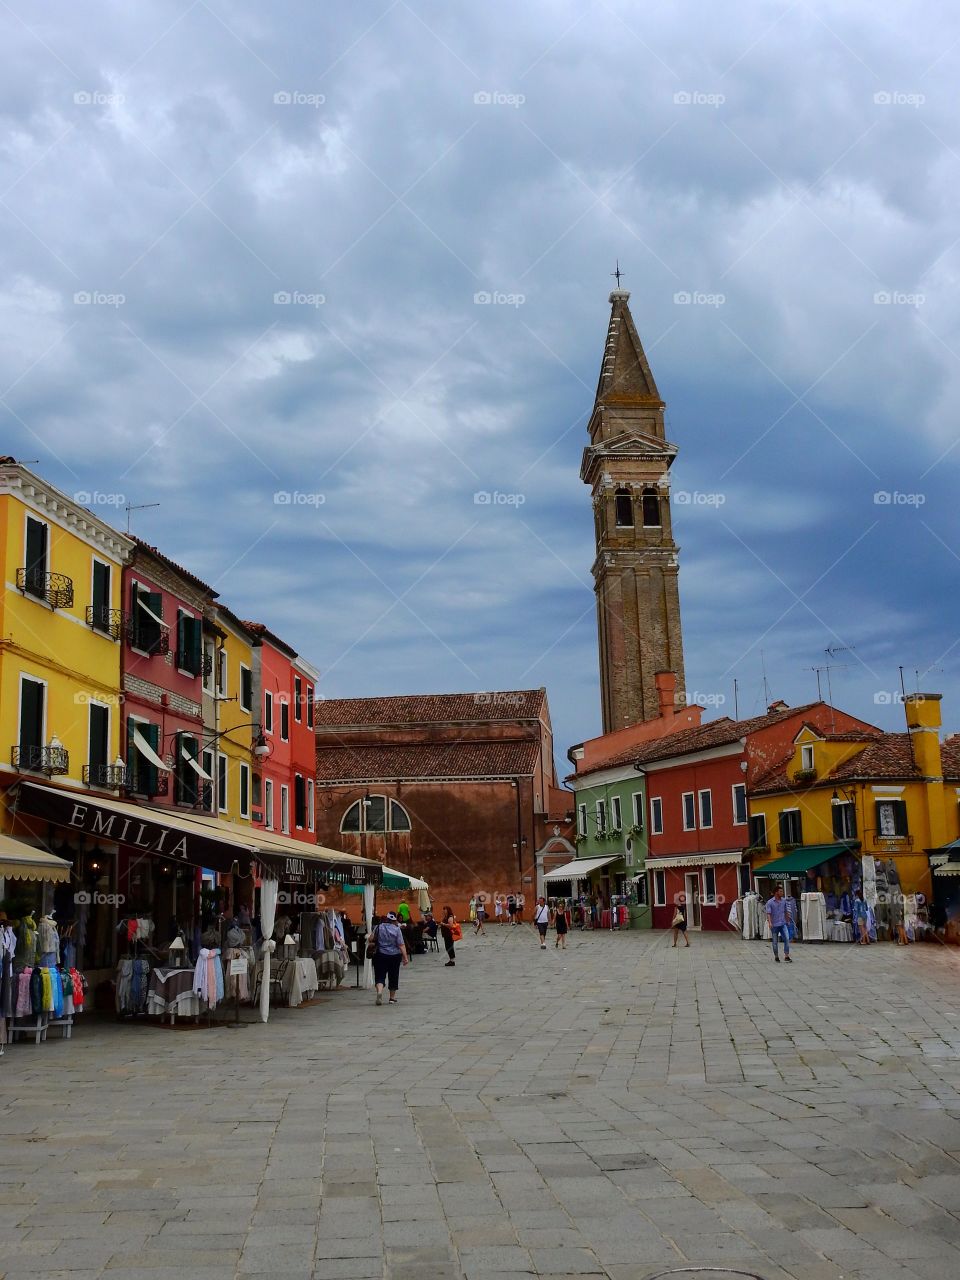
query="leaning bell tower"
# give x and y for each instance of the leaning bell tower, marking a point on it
(635, 573)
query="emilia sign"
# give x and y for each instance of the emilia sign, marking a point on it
(141, 828)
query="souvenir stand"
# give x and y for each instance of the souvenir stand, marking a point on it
(820, 882)
(41, 989)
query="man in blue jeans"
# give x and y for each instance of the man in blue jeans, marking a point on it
(778, 915)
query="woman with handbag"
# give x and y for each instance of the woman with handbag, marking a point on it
(388, 953)
(679, 924)
(451, 933)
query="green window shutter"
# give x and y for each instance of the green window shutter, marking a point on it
(31, 714)
(195, 644)
(99, 744)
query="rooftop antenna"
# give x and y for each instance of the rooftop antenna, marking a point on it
(736, 700)
(142, 506)
(618, 273)
(766, 686)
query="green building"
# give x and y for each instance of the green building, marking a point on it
(611, 840)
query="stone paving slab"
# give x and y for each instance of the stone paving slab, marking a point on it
(614, 1110)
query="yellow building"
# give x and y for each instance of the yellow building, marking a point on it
(60, 634)
(229, 714)
(841, 797)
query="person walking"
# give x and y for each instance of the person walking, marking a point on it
(512, 908)
(679, 924)
(473, 910)
(561, 922)
(403, 911)
(779, 917)
(451, 933)
(481, 916)
(498, 908)
(861, 919)
(520, 906)
(541, 919)
(391, 953)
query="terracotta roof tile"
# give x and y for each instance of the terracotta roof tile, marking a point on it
(430, 708)
(717, 733)
(407, 762)
(888, 757)
(172, 564)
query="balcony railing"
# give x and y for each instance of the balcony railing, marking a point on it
(187, 659)
(158, 643)
(110, 622)
(55, 588)
(112, 777)
(143, 785)
(199, 797)
(48, 760)
(786, 846)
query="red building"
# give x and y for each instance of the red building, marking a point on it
(162, 715)
(283, 687)
(457, 788)
(698, 819)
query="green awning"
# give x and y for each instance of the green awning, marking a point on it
(799, 860)
(391, 880)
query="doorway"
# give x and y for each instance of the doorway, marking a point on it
(692, 893)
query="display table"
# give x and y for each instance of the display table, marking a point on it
(299, 980)
(171, 991)
(839, 931)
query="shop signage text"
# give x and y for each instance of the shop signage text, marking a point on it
(143, 835)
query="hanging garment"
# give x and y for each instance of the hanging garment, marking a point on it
(76, 981)
(24, 1005)
(26, 955)
(208, 976)
(36, 990)
(49, 938)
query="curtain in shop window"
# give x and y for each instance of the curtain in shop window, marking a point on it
(268, 918)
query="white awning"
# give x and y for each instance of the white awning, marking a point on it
(947, 869)
(195, 765)
(146, 609)
(148, 753)
(580, 868)
(693, 860)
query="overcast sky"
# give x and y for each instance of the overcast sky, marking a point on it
(242, 248)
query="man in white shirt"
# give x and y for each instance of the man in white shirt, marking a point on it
(541, 918)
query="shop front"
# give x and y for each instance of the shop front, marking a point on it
(821, 882)
(602, 891)
(705, 884)
(38, 972)
(135, 899)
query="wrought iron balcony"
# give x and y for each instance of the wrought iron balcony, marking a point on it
(48, 760)
(157, 643)
(55, 588)
(112, 777)
(141, 784)
(110, 622)
(187, 659)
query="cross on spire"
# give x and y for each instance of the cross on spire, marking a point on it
(618, 273)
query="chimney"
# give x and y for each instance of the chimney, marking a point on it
(666, 682)
(922, 711)
(779, 705)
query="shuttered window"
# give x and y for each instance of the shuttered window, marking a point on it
(299, 801)
(31, 714)
(99, 744)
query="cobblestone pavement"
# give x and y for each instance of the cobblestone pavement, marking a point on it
(617, 1110)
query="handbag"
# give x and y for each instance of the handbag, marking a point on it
(372, 944)
(456, 933)
(677, 919)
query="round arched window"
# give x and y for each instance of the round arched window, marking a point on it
(375, 814)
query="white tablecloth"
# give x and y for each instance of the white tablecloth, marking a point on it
(300, 980)
(839, 931)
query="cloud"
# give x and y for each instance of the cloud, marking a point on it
(398, 160)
